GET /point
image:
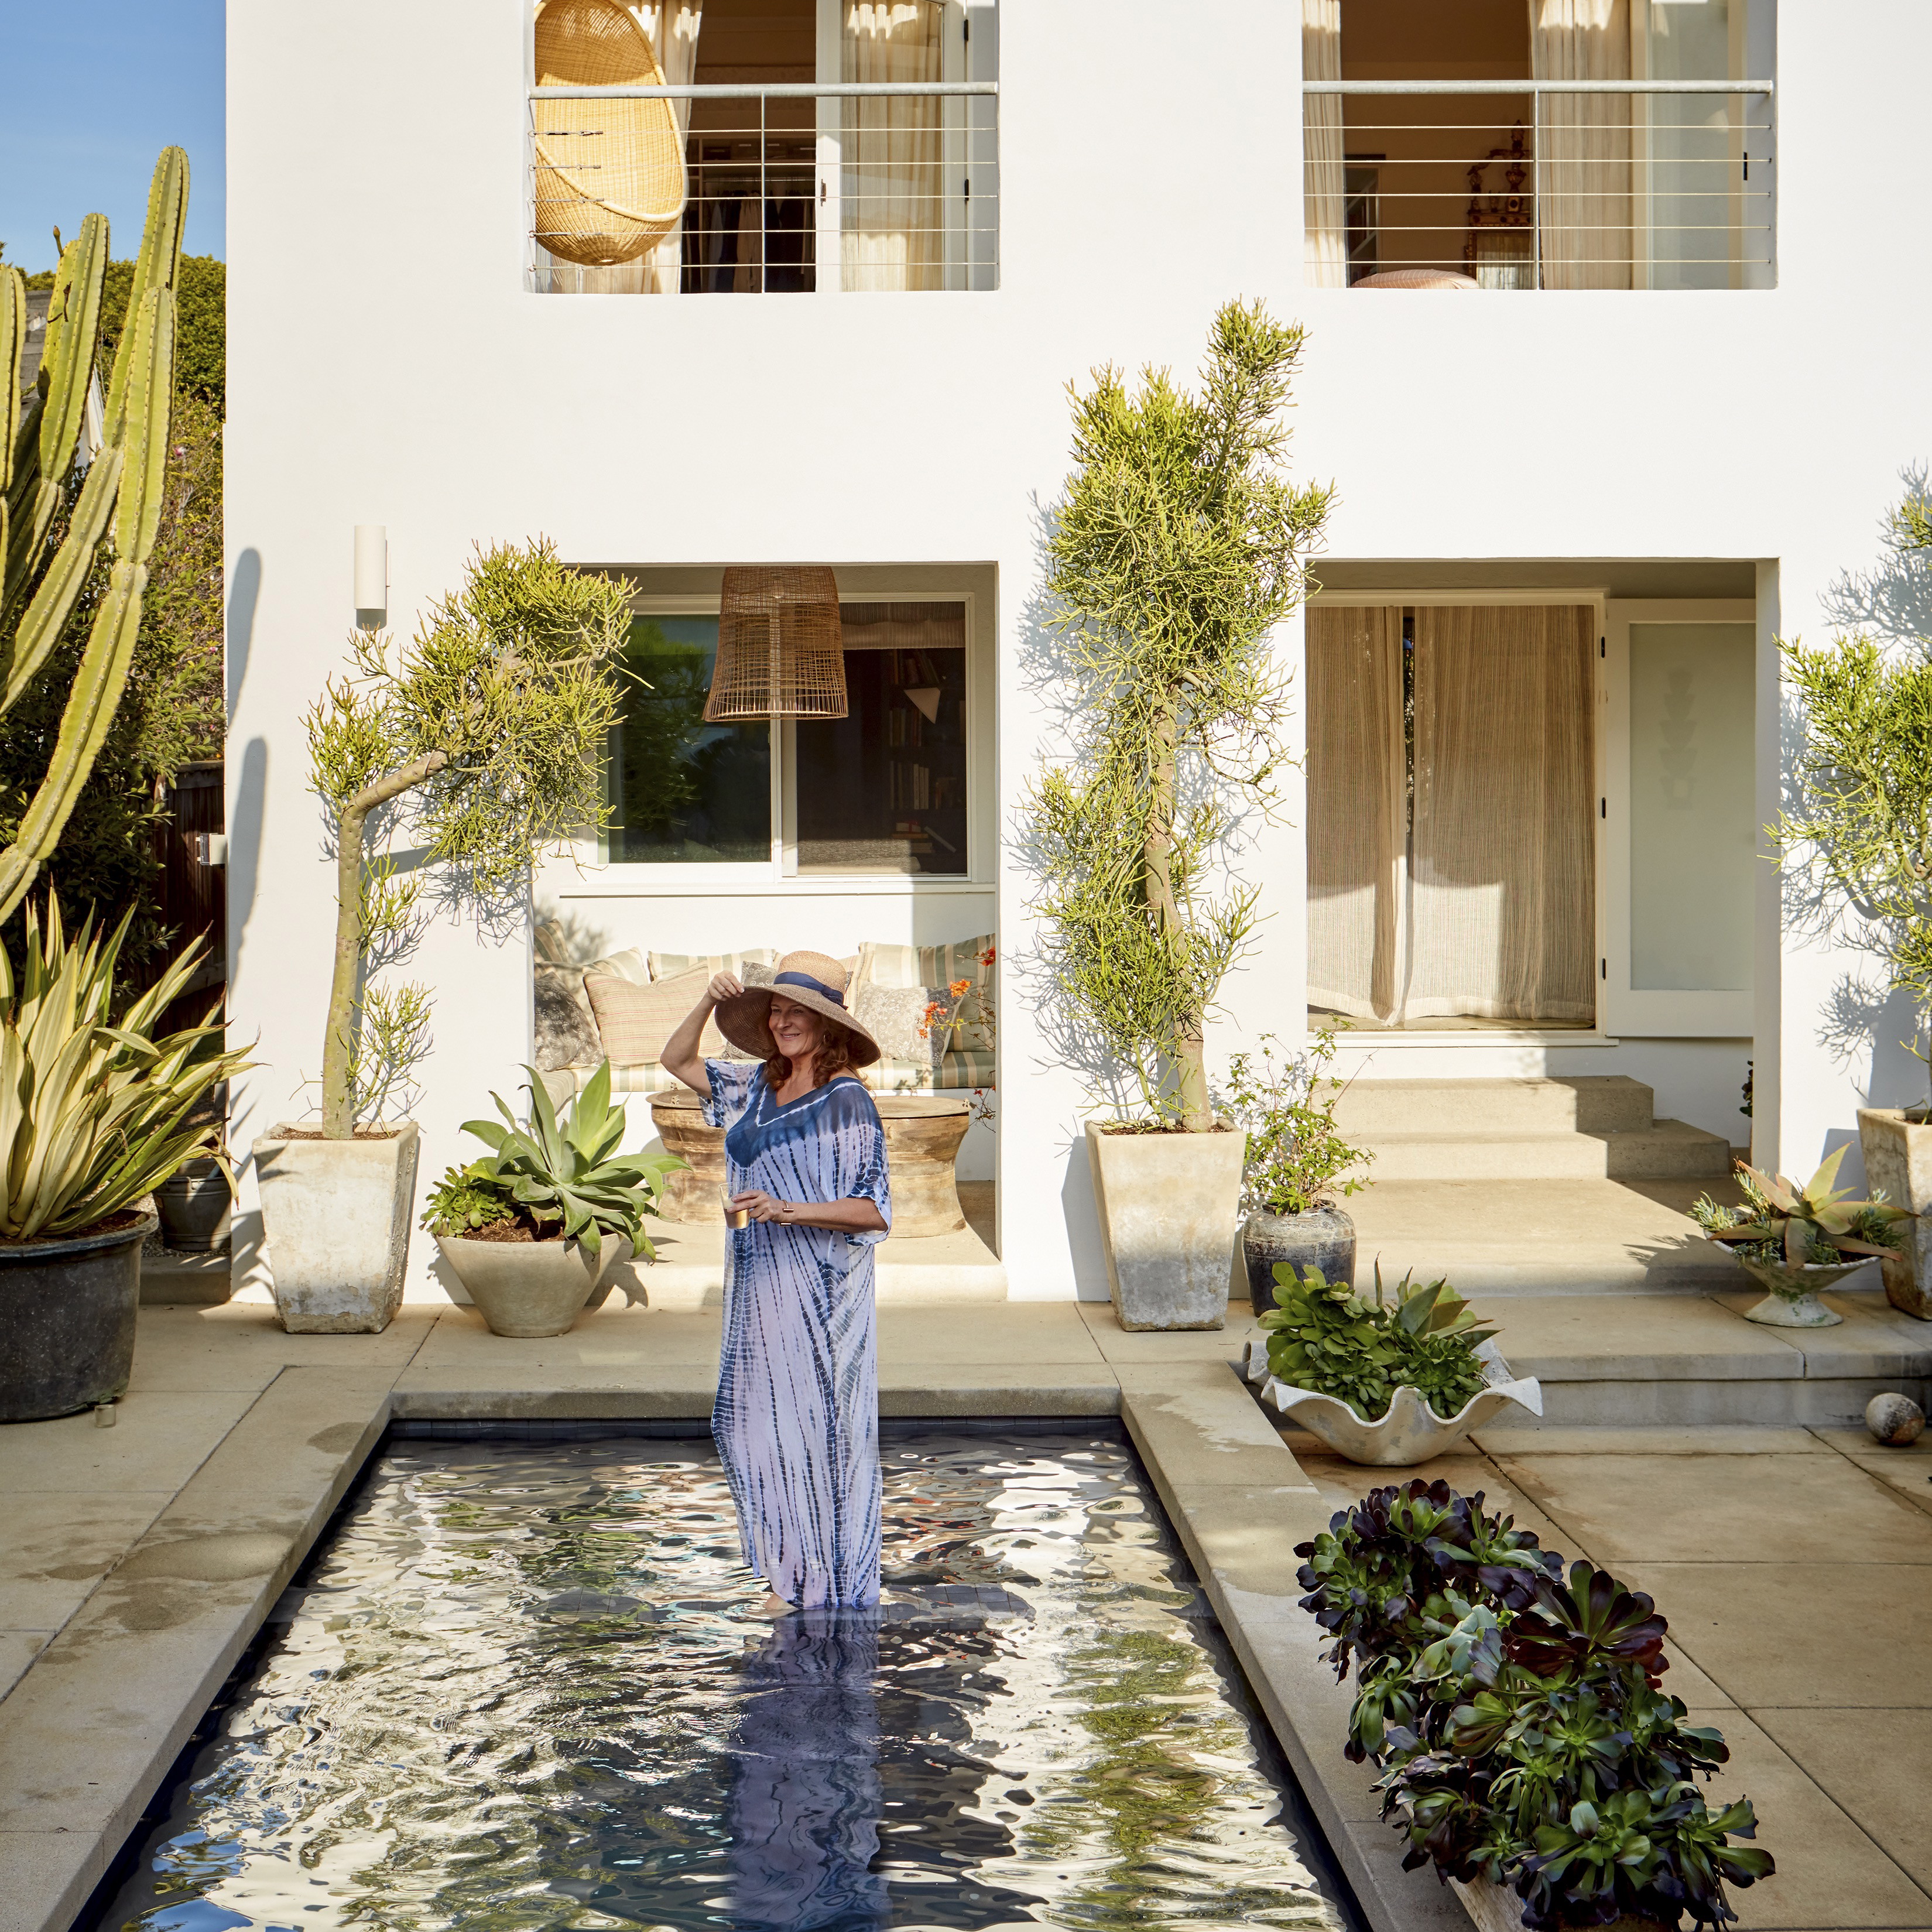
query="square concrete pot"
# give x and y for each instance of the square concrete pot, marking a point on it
(1170, 1206)
(1898, 1159)
(337, 1216)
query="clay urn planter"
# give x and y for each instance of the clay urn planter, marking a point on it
(336, 1214)
(66, 1319)
(1324, 1239)
(1897, 1152)
(194, 1205)
(527, 1288)
(1168, 1203)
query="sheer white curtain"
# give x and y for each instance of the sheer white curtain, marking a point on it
(892, 189)
(1325, 217)
(1357, 809)
(1502, 886)
(1583, 143)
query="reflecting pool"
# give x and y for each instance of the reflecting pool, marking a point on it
(524, 1685)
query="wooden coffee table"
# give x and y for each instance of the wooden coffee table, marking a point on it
(923, 1131)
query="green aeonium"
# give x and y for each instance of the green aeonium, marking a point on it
(1323, 1335)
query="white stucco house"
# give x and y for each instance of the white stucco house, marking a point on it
(1644, 414)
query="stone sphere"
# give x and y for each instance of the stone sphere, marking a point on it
(1894, 1419)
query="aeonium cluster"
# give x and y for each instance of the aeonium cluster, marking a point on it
(1517, 1717)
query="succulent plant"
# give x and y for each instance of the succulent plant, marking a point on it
(1323, 1336)
(565, 1171)
(1782, 1222)
(1517, 1717)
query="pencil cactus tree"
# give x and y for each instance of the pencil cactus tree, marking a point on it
(1177, 549)
(114, 515)
(484, 738)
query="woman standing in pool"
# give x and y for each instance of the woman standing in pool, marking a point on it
(797, 1416)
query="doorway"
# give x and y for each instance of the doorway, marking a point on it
(1452, 795)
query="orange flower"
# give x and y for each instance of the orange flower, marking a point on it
(958, 988)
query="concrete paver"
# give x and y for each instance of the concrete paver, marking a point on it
(1877, 1766)
(157, 1442)
(56, 1545)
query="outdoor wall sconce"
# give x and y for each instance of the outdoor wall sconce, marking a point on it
(781, 652)
(372, 575)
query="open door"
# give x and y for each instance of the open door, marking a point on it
(1679, 817)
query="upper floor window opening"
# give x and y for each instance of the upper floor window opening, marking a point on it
(1558, 144)
(741, 147)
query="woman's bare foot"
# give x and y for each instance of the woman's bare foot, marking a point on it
(771, 1604)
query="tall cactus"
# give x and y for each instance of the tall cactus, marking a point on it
(119, 505)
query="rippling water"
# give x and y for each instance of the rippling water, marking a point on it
(525, 1688)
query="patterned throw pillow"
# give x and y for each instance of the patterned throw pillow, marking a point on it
(911, 1023)
(970, 960)
(566, 1030)
(634, 1022)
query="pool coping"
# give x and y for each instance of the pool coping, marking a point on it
(89, 1734)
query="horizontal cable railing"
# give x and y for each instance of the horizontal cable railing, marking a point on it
(1549, 184)
(781, 188)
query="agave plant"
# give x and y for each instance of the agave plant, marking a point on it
(1814, 1223)
(94, 1112)
(561, 1170)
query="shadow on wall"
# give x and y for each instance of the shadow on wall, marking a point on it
(246, 804)
(1864, 1024)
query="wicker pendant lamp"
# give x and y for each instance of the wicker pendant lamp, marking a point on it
(780, 653)
(609, 175)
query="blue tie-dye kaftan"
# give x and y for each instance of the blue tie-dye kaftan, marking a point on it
(796, 1420)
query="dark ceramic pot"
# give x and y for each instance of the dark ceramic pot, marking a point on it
(192, 1206)
(1325, 1239)
(67, 1321)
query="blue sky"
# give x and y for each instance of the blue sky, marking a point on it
(95, 89)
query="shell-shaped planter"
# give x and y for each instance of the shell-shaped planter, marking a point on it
(1412, 1432)
(1793, 1300)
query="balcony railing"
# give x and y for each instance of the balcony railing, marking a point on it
(787, 188)
(1543, 183)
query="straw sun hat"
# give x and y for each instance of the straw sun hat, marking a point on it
(811, 979)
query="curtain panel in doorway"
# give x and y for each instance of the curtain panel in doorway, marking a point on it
(1357, 809)
(1502, 888)
(891, 187)
(1583, 143)
(1324, 216)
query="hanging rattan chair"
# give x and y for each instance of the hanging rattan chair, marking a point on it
(610, 174)
(780, 650)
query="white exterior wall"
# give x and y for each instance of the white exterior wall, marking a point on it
(386, 366)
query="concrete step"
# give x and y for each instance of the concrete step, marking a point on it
(1588, 1103)
(1668, 1150)
(1526, 1237)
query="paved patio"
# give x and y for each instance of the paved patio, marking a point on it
(1795, 1564)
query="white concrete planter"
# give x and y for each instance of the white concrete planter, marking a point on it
(1793, 1300)
(1898, 1160)
(1412, 1432)
(530, 1287)
(1495, 1908)
(337, 1216)
(1170, 1205)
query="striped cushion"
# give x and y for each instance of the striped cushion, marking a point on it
(629, 966)
(647, 1077)
(898, 1076)
(635, 1021)
(670, 965)
(969, 1069)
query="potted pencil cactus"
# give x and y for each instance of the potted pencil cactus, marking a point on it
(1176, 552)
(481, 743)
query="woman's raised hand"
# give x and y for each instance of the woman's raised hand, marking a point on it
(724, 986)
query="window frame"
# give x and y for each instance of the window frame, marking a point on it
(652, 878)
